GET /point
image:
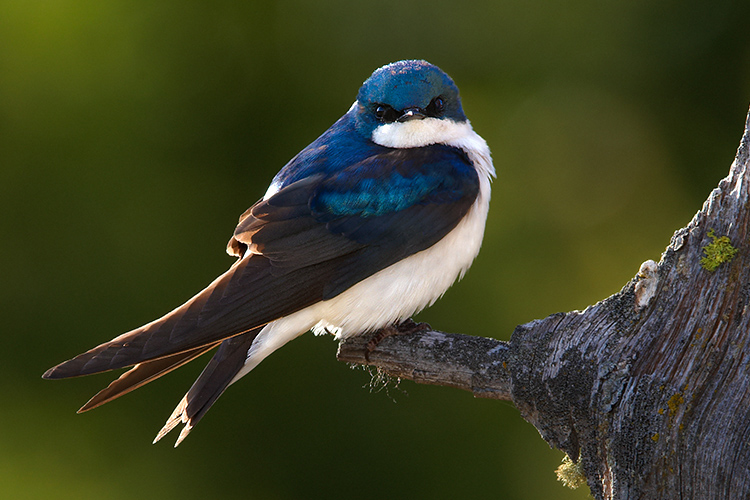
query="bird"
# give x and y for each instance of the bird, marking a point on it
(363, 228)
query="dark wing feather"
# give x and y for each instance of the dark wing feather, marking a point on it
(141, 374)
(375, 213)
(314, 239)
(245, 297)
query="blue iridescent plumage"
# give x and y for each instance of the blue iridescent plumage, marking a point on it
(395, 180)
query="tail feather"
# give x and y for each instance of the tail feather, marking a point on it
(141, 374)
(220, 372)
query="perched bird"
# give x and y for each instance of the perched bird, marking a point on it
(366, 226)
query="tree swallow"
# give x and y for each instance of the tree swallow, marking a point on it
(365, 227)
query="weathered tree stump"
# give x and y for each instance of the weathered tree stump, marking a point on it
(649, 389)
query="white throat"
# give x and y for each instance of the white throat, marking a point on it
(427, 131)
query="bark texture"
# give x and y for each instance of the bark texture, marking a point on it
(650, 388)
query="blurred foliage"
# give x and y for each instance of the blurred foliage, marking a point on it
(132, 135)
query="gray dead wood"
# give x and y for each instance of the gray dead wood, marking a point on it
(649, 389)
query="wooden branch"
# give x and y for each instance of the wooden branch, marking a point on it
(649, 389)
(475, 364)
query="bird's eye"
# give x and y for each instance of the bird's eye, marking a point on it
(436, 106)
(385, 113)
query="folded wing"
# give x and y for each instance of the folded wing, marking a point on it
(313, 239)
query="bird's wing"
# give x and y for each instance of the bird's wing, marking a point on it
(141, 374)
(309, 242)
(364, 217)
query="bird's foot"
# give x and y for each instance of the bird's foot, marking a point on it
(411, 326)
(406, 327)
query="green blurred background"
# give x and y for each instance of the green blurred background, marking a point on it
(134, 133)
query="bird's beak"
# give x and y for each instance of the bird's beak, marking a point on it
(411, 114)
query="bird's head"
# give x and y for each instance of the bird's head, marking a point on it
(408, 104)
